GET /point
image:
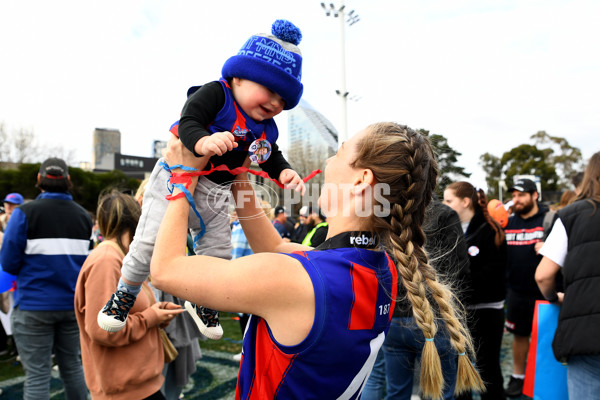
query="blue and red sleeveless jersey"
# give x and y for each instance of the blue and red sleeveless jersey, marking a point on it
(355, 292)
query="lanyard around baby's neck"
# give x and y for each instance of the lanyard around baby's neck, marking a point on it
(357, 239)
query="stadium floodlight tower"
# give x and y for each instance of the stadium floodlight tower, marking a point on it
(350, 18)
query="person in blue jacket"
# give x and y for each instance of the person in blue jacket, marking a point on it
(45, 244)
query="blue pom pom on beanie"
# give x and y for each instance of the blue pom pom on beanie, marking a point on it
(273, 60)
(286, 31)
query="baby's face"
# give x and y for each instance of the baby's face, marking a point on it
(256, 100)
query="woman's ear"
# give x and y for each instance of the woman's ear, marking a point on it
(466, 202)
(363, 180)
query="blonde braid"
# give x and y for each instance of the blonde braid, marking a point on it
(407, 240)
(431, 377)
(403, 159)
(467, 377)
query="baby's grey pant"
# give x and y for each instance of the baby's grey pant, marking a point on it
(212, 202)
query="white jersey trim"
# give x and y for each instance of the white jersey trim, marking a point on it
(360, 379)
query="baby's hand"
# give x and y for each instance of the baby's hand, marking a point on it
(291, 180)
(218, 143)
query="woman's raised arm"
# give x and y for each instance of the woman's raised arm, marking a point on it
(273, 286)
(260, 232)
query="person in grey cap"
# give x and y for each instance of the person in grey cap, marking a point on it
(524, 238)
(45, 244)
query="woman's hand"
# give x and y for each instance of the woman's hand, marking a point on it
(166, 311)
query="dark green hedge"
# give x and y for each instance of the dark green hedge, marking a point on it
(86, 185)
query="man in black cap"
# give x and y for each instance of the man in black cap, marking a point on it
(45, 244)
(524, 237)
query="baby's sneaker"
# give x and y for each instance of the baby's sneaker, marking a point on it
(114, 314)
(206, 319)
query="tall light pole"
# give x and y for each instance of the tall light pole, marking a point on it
(353, 18)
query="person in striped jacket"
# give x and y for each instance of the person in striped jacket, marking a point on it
(45, 244)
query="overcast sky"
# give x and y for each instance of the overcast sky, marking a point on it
(485, 74)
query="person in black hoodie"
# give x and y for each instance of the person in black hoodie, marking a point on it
(486, 247)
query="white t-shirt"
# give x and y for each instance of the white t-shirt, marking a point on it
(556, 245)
(465, 226)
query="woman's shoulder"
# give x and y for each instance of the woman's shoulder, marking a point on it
(103, 254)
(577, 206)
(342, 255)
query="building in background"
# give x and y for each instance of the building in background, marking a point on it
(312, 139)
(157, 148)
(107, 155)
(106, 143)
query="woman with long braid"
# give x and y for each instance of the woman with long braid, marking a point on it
(321, 315)
(487, 254)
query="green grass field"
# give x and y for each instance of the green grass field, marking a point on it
(231, 342)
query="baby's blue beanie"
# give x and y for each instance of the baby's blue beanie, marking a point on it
(274, 61)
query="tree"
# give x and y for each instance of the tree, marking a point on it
(25, 147)
(492, 166)
(87, 185)
(447, 157)
(4, 143)
(527, 159)
(566, 159)
(550, 158)
(22, 146)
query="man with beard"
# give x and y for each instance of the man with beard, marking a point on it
(524, 237)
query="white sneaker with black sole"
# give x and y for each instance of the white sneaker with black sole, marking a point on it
(206, 319)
